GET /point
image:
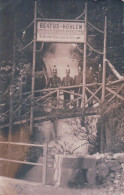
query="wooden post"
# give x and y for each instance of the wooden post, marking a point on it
(103, 80)
(44, 172)
(33, 68)
(20, 95)
(10, 115)
(11, 98)
(84, 60)
(104, 62)
(12, 88)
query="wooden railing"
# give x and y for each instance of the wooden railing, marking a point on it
(53, 99)
(44, 164)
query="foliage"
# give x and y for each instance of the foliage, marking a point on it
(83, 133)
(77, 138)
(111, 124)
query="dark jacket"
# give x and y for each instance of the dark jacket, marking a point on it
(54, 82)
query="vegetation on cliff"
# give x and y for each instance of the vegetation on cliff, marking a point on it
(111, 128)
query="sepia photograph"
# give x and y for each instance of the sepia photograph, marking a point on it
(61, 97)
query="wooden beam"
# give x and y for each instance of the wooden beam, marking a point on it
(21, 144)
(72, 93)
(21, 162)
(74, 100)
(84, 59)
(115, 82)
(93, 94)
(33, 67)
(47, 95)
(113, 92)
(21, 104)
(104, 61)
(115, 95)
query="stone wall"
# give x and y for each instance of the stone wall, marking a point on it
(110, 170)
(99, 169)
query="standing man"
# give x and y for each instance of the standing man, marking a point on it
(78, 79)
(67, 81)
(54, 81)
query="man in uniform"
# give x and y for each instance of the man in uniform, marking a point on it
(54, 81)
(78, 79)
(67, 81)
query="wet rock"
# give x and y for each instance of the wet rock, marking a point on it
(112, 163)
(102, 170)
(112, 175)
(116, 169)
(116, 182)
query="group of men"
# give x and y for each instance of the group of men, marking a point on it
(56, 81)
(91, 77)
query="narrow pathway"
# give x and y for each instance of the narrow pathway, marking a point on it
(18, 187)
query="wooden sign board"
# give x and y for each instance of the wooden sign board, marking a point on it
(60, 31)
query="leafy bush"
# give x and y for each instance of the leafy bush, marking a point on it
(111, 128)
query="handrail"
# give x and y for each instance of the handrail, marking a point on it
(44, 164)
(21, 144)
(114, 82)
(22, 162)
(115, 95)
(21, 105)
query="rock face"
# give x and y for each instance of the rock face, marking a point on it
(110, 170)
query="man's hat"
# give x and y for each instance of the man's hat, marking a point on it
(68, 69)
(79, 68)
(54, 69)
